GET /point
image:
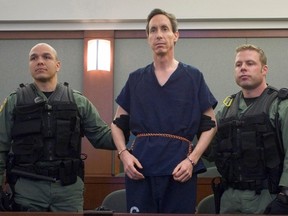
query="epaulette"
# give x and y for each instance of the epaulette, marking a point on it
(76, 91)
(12, 93)
(283, 94)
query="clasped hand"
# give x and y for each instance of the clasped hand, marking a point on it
(279, 206)
(183, 171)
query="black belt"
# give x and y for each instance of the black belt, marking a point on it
(66, 171)
(51, 172)
(249, 185)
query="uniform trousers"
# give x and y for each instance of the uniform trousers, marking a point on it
(43, 196)
(235, 201)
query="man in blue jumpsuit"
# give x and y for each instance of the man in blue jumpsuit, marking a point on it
(165, 101)
(41, 126)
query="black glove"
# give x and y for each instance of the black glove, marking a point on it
(5, 201)
(122, 122)
(279, 206)
(206, 124)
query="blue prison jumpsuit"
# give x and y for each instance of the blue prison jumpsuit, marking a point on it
(174, 108)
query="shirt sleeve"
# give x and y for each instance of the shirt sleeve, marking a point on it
(6, 123)
(94, 128)
(206, 97)
(283, 117)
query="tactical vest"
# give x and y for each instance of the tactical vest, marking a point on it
(46, 131)
(248, 149)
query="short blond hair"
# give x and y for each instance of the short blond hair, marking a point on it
(263, 58)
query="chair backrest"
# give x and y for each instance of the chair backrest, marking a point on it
(116, 201)
(206, 205)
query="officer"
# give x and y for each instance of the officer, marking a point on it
(252, 139)
(41, 126)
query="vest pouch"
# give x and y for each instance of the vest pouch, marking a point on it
(81, 170)
(27, 120)
(27, 111)
(271, 151)
(223, 150)
(26, 133)
(32, 126)
(27, 149)
(274, 179)
(68, 171)
(76, 136)
(63, 134)
(223, 164)
(224, 145)
(67, 130)
(253, 163)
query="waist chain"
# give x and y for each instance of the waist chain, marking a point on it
(190, 147)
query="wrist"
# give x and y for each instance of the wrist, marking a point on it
(121, 151)
(191, 161)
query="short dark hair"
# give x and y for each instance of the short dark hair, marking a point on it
(170, 16)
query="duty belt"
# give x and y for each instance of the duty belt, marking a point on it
(250, 185)
(37, 172)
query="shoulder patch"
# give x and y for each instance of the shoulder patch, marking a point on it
(3, 104)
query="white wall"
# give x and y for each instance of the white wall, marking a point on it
(131, 14)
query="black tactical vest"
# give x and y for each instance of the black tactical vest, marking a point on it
(46, 131)
(247, 147)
